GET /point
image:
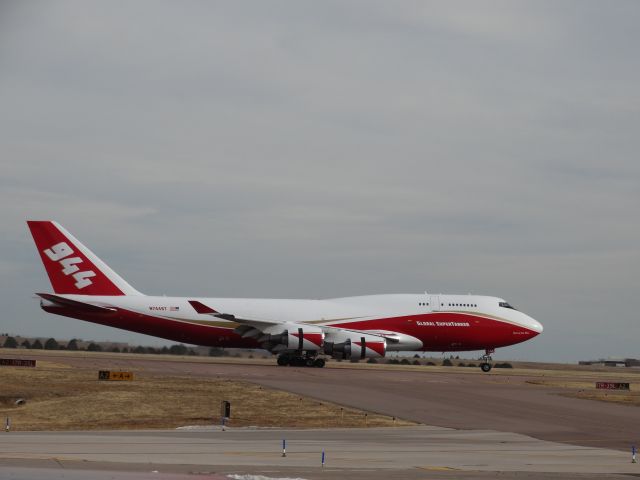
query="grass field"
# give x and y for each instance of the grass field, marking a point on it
(582, 388)
(58, 397)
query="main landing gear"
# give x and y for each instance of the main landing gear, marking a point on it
(486, 365)
(300, 360)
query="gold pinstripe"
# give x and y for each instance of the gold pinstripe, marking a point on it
(232, 325)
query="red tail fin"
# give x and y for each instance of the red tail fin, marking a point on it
(72, 267)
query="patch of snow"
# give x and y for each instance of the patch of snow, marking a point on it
(260, 477)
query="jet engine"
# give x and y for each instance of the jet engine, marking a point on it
(356, 346)
(293, 337)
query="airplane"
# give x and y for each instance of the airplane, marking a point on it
(301, 332)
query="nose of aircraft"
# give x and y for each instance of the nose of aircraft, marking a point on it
(535, 325)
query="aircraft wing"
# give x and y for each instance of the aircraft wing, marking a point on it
(252, 322)
(270, 331)
(264, 323)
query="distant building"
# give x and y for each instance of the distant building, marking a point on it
(612, 362)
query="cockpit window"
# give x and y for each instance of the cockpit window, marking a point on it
(506, 305)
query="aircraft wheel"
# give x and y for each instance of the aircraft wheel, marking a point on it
(318, 363)
(309, 362)
(486, 367)
(298, 362)
(283, 360)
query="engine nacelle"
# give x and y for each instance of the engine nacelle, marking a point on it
(293, 337)
(356, 346)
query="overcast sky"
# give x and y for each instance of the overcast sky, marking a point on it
(320, 149)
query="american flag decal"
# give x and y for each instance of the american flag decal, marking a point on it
(174, 309)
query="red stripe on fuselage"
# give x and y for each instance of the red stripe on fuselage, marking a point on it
(437, 331)
(178, 331)
(449, 331)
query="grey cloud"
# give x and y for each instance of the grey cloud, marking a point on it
(322, 149)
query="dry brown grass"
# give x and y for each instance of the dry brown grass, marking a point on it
(626, 398)
(59, 397)
(587, 390)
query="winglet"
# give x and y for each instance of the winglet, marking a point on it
(202, 308)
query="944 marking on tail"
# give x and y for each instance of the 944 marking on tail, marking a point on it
(60, 252)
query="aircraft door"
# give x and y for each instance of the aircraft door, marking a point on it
(434, 303)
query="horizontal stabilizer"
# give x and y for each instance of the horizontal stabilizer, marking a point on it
(66, 302)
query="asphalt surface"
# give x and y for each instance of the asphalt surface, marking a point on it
(413, 452)
(471, 401)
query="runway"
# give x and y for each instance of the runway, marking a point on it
(413, 452)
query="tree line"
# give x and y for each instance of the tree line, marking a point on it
(53, 344)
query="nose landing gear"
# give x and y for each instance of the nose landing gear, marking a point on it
(486, 364)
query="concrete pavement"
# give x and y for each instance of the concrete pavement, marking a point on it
(380, 453)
